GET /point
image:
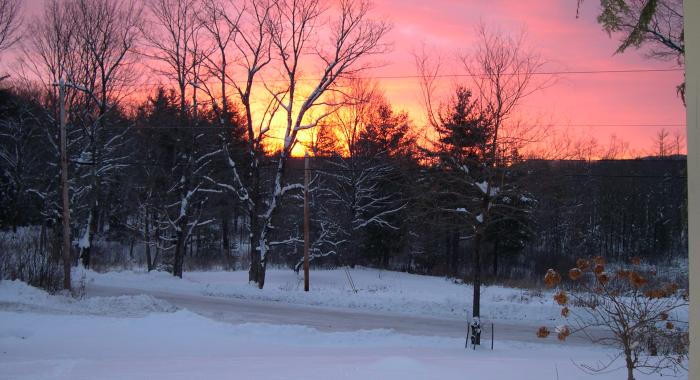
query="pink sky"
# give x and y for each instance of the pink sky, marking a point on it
(566, 43)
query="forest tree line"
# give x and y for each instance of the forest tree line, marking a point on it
(378, 207)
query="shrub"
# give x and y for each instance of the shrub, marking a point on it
(637, 309)
(25, 256)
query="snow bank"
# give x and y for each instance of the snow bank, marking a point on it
(18, 296)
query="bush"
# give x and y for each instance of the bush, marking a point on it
(643, 314)
(25, 256)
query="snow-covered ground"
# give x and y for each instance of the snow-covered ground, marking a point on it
(20, 297)
(383, 291)
(139, 337)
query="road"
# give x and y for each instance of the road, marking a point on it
(238, 311)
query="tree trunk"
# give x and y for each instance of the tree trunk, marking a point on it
(630, 364)
(454, 251)
(198, 237)
(147, 240)
(225, 242)
(253, 252)
(495, 260)
(56, 251)
(131, 249)
(42, 239)
(156, 238)
(254, 236)
(85, 252)
(261, 273)
(93, 219)
(476, 300)
(181, 246)
(353, 254)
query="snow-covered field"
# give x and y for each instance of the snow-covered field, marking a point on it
(46, 336)
(377, 290)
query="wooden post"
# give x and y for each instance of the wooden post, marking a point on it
(306, 222)
(491, 336)
(65, 203)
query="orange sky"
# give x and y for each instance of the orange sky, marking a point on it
(568, 44)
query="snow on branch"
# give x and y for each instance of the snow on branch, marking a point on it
(379, 219)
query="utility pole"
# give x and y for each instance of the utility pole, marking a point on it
(306, 222)
(65, 203)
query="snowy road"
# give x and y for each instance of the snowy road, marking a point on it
(127, 335)
(237, 311)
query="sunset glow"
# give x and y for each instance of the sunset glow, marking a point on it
(631, 106)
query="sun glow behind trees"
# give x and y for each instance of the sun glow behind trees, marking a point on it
(633, 107)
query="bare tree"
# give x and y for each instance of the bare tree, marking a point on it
(220, 21)
(502, 72)
(639, 314)
(294, 27)
(106, 37)
(242, 51)
(50, 54)
(562, 146)
(286, 33)
(10, 23)
(89, 45)
(679, 143)
(144, 225)
(616, 149)
(663, 143)
(173, 37)
(49, 57)
(503, 75)
(175, 41)
(428, 65)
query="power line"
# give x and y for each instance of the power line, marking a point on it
(224, 129)
(624, 176)
(618, 125)
(561, 72)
